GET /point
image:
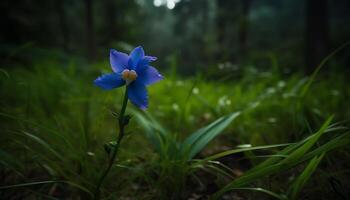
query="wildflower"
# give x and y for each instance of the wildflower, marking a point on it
(90, 153)
(195, 90)
(132, 70)
(175, 106)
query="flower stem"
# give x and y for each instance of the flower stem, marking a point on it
(122, 125)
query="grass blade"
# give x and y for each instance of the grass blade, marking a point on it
(155, 133)
(233, 151)
(46, 182)
(323, 62)
(199, 139)
(299, 183)
(297, 154)
(268, 192)
(275, 165)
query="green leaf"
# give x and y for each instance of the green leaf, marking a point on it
(233, 151)
(268, 192)
(43, 144)
(46, 182)
(154, 132)
(199, 139)
(297, 154)
(299, 183)
(40, 126)
(338, 142)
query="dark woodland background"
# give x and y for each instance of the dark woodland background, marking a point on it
(193, 35)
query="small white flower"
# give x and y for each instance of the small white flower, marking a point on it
(90, 153)
(195, 90)
(281, 84)
(179, 83)
(175, 106)
(272, 120)
(271, 90)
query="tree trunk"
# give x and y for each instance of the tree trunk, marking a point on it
(225, 23)
(63, 25)
(90, 35)
(317, 33)
(110, 21)
(243, 26)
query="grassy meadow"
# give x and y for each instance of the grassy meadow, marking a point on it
(271, 134)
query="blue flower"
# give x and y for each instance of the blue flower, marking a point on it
(132, 70)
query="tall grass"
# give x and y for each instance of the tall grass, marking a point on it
(53, 122)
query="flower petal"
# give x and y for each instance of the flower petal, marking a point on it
(118, 60)
(135, 56)
(150, 58)
(144, 63)
(149, 76)
(137, 94)
(109, 81)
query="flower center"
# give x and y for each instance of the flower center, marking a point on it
(129, 75)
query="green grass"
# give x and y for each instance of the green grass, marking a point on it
(54, 124)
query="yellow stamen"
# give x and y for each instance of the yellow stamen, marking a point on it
(129, 75)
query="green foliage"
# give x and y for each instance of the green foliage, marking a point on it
(199, 139)
(55, 123)
(293, 155)
(175, 158)
(304, 176)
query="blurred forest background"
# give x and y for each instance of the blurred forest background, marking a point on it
(194, 35)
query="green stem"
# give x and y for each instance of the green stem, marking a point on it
(116, 147)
